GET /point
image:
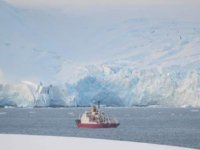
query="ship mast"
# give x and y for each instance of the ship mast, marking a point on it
(98, 104)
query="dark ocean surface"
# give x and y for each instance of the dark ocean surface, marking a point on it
(168, 126)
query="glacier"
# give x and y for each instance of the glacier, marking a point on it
(113, 87)
(62, 60)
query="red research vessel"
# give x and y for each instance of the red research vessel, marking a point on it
(95, 118)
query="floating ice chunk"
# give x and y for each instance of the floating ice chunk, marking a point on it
(3, 113)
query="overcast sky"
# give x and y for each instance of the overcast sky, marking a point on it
(188, 10)
(89, 3)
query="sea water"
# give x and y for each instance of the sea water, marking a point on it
(169, 126)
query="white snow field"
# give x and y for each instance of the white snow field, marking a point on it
(24, 142)
(83, 58)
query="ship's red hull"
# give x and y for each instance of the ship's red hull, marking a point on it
(102, 125)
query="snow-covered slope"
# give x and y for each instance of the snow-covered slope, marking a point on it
(82, 59)
(21, 142)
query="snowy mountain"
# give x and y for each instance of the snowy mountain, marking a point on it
(81, 59)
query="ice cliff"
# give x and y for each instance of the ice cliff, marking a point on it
(113, 87)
